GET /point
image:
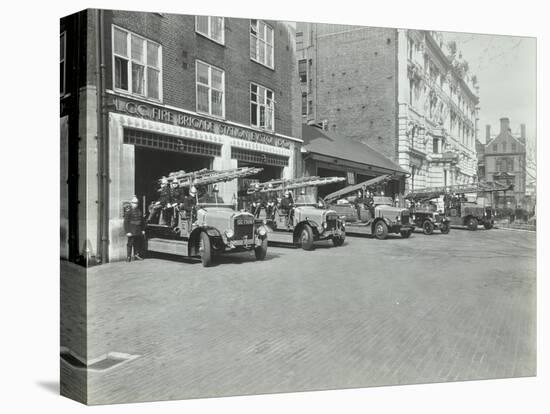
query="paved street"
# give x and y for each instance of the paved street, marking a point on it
(427, 309)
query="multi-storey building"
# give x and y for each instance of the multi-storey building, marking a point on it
(151, 93)
(505, 162)
(399, 91)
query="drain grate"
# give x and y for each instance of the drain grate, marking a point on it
(103, 363)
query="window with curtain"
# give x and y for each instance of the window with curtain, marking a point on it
(262, 107)
(261, 42)
(302, 70)
(137, 64)
(211, 27)
(210, 82)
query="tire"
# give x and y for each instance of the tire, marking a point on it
(306, 237)
(205, 250)
(428, 227)
(406, 234)
(380, 230)
(338, 241)
(472, 224)
(261, 251)
(445, 228)
(488, 226)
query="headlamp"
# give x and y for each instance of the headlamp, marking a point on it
(229, 233)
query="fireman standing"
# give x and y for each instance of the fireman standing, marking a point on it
(134, 228)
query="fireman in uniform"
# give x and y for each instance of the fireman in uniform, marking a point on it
(134, 228)
(287, 207)
(358, 203)
(257, 202)
(369, 202)
(271, 202)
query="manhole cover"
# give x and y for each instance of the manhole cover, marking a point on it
(103, 363)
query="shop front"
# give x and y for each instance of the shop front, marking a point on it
(149, 141)
(328, 155)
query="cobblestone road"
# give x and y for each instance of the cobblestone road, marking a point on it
(427, 309)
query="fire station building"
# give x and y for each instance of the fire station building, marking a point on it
(156, 93)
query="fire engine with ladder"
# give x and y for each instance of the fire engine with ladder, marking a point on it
(201, 224)
(294, 215)
(460, 210)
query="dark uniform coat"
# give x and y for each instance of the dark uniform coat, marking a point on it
(133, 221)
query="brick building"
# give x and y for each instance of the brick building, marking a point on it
(151, 93)
(399, 91)
(505, 162)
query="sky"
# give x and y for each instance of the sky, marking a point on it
(506, 69)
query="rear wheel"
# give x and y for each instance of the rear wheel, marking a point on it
(380, 230)
(406, 233)
(472, 223)
(445, 228)
(261, 251)
(306, 237)
(488, 225)
(428, 227)
(205, 250)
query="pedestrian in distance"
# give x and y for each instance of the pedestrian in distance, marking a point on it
(134, 229)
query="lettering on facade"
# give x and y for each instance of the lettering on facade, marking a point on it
(201, 124)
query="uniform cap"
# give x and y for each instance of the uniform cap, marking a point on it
(134, 199)
(193, 190)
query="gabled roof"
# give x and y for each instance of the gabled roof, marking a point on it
(325, 143)
(505, 134)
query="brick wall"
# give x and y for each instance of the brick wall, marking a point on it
(356, 83)
(181, 46)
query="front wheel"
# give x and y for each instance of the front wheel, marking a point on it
(428, 227)
(380, 230)
(406, 234)
(306, 237)
(488, 225)
(261, 251)
(205, 250)
(445, 228)
(472, 224)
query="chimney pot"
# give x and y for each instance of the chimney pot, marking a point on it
(487, 133)
(523, 133)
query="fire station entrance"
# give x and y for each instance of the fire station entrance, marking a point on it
(272, 165)
(156, 156)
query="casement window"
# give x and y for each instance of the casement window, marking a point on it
(299, 40)
(514, 147)
(262, 107)
(495, 148)
(211, 27)
(504, 147)
(137, 65)
(304, 103)
(302, 70)
(261, 43)
(62, 64)
(435, 146)
(210, 83)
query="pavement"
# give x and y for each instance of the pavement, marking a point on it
(400, 311)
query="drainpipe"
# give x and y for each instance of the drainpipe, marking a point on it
(103, 144)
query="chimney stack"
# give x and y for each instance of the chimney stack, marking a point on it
(504, 125)
(487, 133)
(523, 134)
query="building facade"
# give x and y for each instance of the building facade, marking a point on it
(399, 91)
(164, 92)
(505, 162)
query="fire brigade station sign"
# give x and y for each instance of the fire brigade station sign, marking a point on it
(160, 114)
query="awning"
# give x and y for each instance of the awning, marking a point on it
(356, 187)
(317, 141)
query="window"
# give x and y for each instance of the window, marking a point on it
(310, 107)
(504, 147)
(514, 147)
(435, 146)
(210, 89)
(299, 40)
(261, 43)
(261, 107)
(302, 70)
(62, 64)
(510, 164)
(495, 147)
(304, 103)
(211, 27)
(137, 64)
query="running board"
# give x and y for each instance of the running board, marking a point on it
(178, 247)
